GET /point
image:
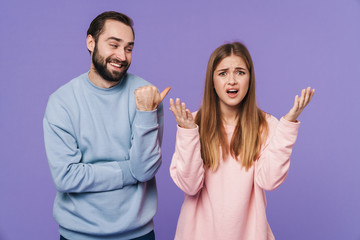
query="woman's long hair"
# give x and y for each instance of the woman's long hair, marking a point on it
(251, 128)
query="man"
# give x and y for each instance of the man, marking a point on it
(103, 132)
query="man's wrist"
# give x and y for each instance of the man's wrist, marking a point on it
(146, 109)
(146, 118)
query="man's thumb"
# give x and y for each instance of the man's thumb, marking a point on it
(164, 93)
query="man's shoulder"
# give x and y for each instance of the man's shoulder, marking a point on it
(69, 88)
(65, 95)
(63, 99)
(134, 81)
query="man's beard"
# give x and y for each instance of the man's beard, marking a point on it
(100, 65)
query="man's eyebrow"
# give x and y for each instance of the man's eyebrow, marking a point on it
(119, 40)
(114, 38)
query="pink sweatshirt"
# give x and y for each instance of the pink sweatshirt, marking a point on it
(230, 202)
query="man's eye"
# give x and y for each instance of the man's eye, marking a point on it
(129, 49)
(113, 45)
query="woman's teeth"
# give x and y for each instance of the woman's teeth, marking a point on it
(232, 91)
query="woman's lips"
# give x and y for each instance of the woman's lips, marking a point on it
(232, 92)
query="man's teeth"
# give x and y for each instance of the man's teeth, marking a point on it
(115, 65)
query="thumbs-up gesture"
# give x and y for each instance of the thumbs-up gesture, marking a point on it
(147, 98)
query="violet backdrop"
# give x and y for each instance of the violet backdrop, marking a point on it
(294, 44)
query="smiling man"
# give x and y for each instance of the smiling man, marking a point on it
(103, 132)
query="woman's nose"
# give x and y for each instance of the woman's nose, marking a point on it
(231, 79)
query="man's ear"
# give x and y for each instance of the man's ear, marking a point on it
(90, 43)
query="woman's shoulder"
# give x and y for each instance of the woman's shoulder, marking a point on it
(270, 118)
(194, 113)
(272, 122)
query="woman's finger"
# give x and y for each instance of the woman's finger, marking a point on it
(296, 103)
(311, 94)
(189, 115)
(178, 107)
(302, 98)
(183, 110)
(307, 95)
(173, 108)
(172, 105)
(174, 111)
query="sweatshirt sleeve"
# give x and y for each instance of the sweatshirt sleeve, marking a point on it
(273, 164)
(145, 151)
(187, 168)
(68, 172)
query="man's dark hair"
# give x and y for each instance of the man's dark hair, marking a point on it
(97, 25)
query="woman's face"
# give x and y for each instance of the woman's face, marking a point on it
(231, 82)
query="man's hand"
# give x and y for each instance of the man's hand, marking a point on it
(148, 98)
(182, 115)
(299, 104)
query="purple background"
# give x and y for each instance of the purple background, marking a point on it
(294, 44)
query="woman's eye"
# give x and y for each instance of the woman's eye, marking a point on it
(222, 74)
(241, 73)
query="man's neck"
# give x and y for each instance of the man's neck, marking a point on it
(98, 81)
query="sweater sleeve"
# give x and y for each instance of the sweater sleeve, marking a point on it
(68, 171)
(71, 175)
(187, 168)
(273, 164)
(145, 151)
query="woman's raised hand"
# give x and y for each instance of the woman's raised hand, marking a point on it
(182, 115)
(299, 104)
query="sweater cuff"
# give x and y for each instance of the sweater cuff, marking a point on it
(146, 118)
(127, 176)
(188, 131)
(289, 126)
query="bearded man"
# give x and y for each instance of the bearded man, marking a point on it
(103, 132)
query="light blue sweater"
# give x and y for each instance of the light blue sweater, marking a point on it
(103, 155)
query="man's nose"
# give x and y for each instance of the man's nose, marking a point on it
(120, 54)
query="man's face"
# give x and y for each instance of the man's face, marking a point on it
(111, 56)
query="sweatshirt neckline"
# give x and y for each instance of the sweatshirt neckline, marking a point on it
(100, 90)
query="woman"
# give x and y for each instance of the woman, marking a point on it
(229, 152)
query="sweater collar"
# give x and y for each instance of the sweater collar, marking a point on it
(101, 90)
